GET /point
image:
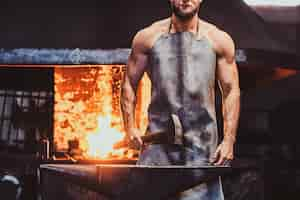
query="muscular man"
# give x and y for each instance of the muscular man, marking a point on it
(184, 57)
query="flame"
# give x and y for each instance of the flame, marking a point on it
(100, 143)
(87, 108)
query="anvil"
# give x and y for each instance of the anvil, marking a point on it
(122, 182)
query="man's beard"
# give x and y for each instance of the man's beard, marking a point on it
(184, 16)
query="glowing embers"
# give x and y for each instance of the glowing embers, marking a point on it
(87, 109)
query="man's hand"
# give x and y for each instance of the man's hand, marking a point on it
(133, 135)
(224, 153)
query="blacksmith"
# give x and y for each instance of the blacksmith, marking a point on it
(185, 57)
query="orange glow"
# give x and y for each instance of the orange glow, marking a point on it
(100, 144)
(87, 108)
(281, 73)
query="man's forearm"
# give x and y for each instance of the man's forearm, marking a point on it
(128, 101)
(231, 112)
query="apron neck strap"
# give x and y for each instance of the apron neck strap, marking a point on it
(171, 24)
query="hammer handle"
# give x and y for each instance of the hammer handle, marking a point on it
(159, 137)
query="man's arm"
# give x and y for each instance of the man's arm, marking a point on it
(227, 76)
(135, 69)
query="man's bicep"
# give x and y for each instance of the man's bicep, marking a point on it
(227, 72)
(136, 67)
(227, 75)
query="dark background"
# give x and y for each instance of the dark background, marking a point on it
(98, 24)
(75, 24)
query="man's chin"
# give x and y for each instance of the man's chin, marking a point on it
(185, 16)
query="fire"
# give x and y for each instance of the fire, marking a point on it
(87, 109)
(100, 143)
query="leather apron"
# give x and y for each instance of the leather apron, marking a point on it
(182, 72)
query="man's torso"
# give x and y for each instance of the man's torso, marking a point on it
(181, 67)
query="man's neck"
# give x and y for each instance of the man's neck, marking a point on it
(179, 25)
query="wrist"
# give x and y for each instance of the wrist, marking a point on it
(229, 139)
(129, 128)
(131, 131)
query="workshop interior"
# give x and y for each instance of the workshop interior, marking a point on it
(61, 70)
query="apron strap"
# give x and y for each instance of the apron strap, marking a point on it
(197, 29)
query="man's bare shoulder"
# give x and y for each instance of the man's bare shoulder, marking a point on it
(146, 37)
(221, 40)
(161, 24)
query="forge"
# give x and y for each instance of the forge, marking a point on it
(87, 115)
(67, 112)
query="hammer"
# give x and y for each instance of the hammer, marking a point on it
(158, 137)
